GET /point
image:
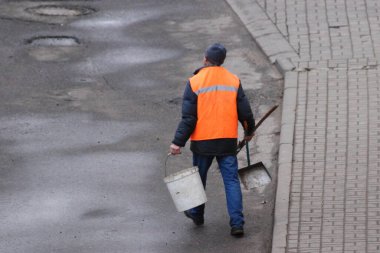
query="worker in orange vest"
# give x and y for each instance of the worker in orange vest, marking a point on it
(213, 104)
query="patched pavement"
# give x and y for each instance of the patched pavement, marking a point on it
(90, 99)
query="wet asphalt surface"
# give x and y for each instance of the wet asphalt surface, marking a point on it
(85, 126)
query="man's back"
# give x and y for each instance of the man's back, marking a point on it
(217, 90)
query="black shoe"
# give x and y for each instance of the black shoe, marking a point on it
(237, 231)
(197, 220)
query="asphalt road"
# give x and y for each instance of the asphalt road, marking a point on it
(87, 116)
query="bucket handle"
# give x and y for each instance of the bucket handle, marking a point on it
(166, 160)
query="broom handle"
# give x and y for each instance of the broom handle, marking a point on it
(265, 116)
(243, 142)
(248, 158)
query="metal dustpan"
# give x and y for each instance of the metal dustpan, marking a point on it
(254, 175)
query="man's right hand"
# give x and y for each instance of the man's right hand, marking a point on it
(248, 137)
(175, 150)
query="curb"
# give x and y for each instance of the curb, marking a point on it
(266, 34)
(280, 53)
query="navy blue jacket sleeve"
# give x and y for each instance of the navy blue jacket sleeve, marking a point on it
(245, 114)
(189, 117)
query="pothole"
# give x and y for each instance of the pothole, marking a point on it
(61, 41)
(55, 13)
(61, 0)
(53, 48)
(59, 10)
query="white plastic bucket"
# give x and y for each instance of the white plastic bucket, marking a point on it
(186, 189)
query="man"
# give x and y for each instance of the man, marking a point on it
(213, 103)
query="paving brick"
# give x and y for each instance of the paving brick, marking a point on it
(335, 174)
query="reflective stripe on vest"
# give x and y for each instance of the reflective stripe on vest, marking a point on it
(216, 89)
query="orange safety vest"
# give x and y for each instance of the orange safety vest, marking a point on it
(217, 115)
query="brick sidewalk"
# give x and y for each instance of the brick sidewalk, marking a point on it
(334, 194)
(328, 198)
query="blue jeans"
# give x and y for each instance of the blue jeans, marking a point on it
(229, 169)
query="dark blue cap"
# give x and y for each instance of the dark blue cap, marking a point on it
(216, 53)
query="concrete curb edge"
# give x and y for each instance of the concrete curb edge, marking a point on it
(280, 53)
(265, 33)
